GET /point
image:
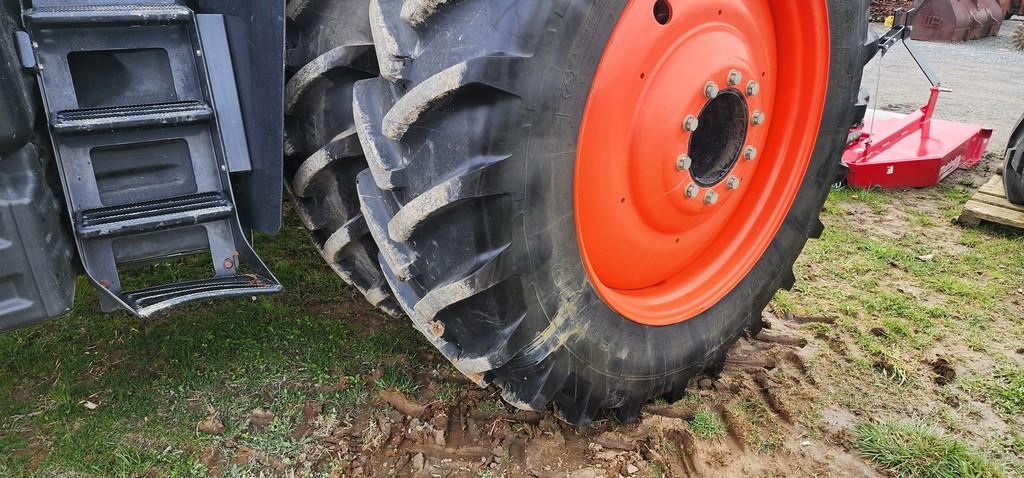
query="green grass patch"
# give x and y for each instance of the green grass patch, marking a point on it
(706, 424)
(914, 450)
(153, 381)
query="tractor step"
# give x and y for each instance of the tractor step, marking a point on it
(154, 215)
(131, 117)
(144, 156)
(152, 300)
(126, 15)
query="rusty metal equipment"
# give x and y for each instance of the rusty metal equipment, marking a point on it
(882, 9)
(1014, 7)
(915, 150)
(958, 20)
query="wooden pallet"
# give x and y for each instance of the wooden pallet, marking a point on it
(990, 204)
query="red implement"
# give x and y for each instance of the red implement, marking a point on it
(914, 151)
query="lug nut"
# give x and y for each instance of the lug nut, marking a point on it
(683, 162)
(733, 183)
(758, 118)
(710, 198)
(711, 90)
(691, 124)
(735, 77)
(753, 88)
(692, 190)
(750, 153)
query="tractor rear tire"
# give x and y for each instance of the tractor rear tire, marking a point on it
(329, 49)
(471, 137)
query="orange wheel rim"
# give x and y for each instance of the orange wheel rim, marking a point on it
(696, 138)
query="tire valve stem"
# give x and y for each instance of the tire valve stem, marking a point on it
(753, 88)
(711, 90)
(683, 162)
(735, 77)
(750, 153)
(758, 118)
(691, 124)
(733, 183)
(691, 191)
(710, 198)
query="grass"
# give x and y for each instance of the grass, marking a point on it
(1009, 390)
(899, 299)
(1004, 388)
(153, 382)
(914, 450)
(706, 424)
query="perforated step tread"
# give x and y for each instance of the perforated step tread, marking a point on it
(113, 15)
(131, 117)
(152, 300)
(153, 216)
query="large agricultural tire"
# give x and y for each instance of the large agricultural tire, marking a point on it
(1013, 172)
(329, 49)
(473, 137)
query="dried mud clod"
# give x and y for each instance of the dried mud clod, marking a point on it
(943, 370)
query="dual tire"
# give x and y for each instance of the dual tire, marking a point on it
(431, 151)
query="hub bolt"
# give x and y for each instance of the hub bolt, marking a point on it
(683, 162)
(758, 118)
(692, 190)
(691, 124)
(753, 88)
(733, 183)
(710, 198)
(711, 90)
(735, 77)
(750, 153)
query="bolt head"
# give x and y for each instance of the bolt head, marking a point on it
(758, 118)
(735, 77)
(691, 123)
(711, 90)
(733, 182)
(753, 88)
(750, 153)
(692, 190)
(710, 198)
(683, 162)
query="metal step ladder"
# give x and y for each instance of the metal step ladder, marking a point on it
(136, 121)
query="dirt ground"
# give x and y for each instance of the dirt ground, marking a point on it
(899, 314)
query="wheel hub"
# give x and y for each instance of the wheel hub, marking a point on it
(674, 203)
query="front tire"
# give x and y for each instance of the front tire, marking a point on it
(471, 135)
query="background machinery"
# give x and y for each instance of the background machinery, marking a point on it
(584, 204)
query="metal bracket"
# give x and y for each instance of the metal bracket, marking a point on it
(902, 27)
